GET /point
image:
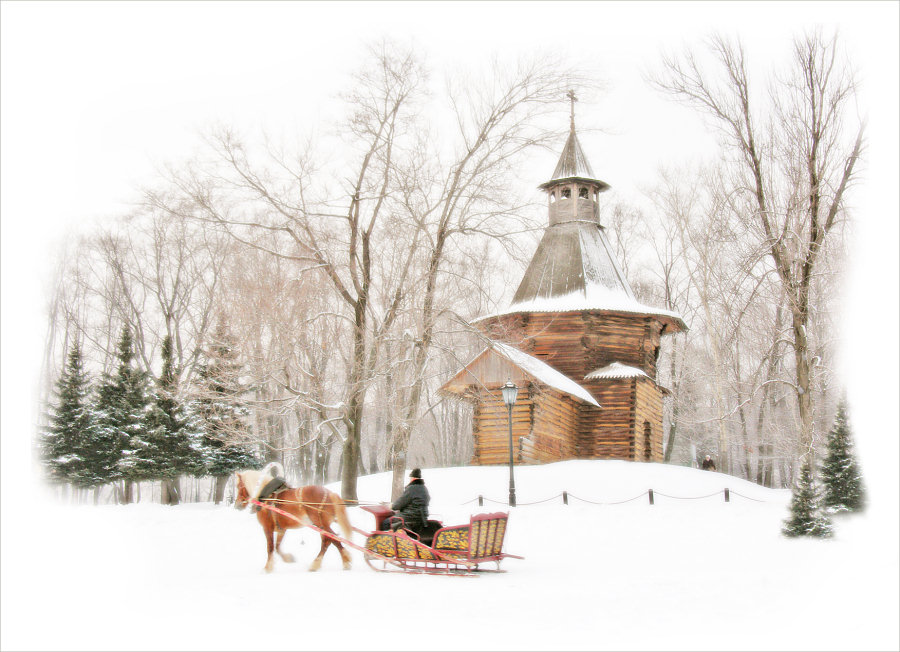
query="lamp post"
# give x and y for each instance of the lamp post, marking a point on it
(509, 397)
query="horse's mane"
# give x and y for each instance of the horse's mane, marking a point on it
(254, 481)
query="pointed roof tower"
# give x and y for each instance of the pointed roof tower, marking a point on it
(584, 351)
(574, 267)
(573, 164)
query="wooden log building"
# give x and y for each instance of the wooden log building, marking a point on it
(579, 346)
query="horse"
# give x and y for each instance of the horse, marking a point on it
(311, 504)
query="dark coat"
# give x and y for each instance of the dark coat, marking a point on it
(708, 465)
(412, 505)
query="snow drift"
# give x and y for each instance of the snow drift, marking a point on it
(689, 572)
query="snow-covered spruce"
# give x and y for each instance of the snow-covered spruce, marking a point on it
(843, 486)
(806, 518)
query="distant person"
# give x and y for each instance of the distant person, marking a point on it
(708, 464)
(411, 506)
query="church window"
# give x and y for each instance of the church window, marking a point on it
(582, 193)
(566, 193)
(552, 197)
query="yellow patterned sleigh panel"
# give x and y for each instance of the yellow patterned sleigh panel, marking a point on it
(482, 538)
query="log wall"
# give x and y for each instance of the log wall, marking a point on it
(544, 424)
(552, 425)
(648, 409)
(577, 343)
(490, 425)
(554, 433)
(608, 433)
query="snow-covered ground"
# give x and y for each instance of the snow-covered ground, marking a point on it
(692, 574)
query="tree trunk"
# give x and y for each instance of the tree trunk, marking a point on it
(745, 436)
(399, 446)
(673, 423)
(670, 439)
(170, 492)
(221, 482)
(128, 497)
(373, 460)
(353, 420)
(323, 460)
(804, 397)
(350, 453)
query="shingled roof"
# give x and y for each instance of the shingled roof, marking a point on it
(573, 164)
(574, 266)
(483, 369)
(571, 257)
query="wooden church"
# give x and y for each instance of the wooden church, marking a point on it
(579, 346)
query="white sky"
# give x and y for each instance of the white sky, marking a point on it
(94, 95)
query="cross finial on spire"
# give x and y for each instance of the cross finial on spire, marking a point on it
(573, 99)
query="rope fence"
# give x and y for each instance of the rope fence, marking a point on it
(650, 495)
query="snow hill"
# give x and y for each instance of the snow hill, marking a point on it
(690, 572)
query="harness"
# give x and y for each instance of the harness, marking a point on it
(272, 487)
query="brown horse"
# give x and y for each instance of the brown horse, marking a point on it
(311, 504)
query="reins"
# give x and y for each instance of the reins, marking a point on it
(355, 503)
(273, 498)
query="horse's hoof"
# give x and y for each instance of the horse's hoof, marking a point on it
(268, 568)
(316, 565)
(347, 565)
(287, 557)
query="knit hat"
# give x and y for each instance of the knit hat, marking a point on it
(416, 473)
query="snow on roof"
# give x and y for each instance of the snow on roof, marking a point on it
(615, 370)
(543, 372)
(572, 160)
(593, 297)
(573, 164)
(570, 257)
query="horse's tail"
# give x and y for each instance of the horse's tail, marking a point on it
(340, 514)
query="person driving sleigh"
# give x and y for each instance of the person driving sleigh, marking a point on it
(411, 506)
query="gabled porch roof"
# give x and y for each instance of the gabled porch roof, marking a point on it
(500, 362)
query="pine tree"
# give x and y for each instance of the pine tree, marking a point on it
(226, 433)
(123, 400)
(844, 490)
(164, 450)
(68, 437)
(806, 518)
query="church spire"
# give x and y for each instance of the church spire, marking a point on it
(573, 164)
(574, 256)
(571, 96)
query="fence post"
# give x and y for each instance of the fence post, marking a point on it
(727, 495)
(480, 500)
(565, 498)
(650, 494)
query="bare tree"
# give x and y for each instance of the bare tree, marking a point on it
(466, 196)
(793, 164)
(670, 285)
(333, 233)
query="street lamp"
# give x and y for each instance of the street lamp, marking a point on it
(509, 397)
